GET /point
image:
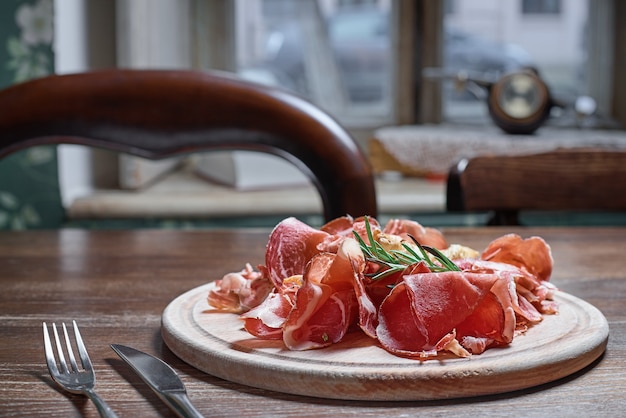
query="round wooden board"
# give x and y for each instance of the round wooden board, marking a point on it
(358, 369)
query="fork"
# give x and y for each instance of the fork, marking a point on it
(72, 379)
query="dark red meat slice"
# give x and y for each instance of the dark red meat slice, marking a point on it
(426, 307)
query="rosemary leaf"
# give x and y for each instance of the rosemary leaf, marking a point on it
(394, 261)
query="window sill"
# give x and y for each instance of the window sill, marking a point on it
(182, 194)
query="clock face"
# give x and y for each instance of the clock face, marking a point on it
(520, 96)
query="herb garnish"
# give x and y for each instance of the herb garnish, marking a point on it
(394, 261)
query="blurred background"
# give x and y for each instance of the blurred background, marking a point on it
(275, 38)
(363, 61)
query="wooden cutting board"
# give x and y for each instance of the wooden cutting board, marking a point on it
(358, 369)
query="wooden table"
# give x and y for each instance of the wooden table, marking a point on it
(117, 283)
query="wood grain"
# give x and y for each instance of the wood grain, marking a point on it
(359, 369)
(564, 179)
(117, 284)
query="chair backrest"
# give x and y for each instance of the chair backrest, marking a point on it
(576, 179)
(158, 113)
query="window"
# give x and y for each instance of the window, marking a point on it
(491, 39)
(338, 54)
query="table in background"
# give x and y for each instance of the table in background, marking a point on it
(431, 150)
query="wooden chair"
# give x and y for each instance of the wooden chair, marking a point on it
(577, 179)
(157, 114)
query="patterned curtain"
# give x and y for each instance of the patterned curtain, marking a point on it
(29, 187)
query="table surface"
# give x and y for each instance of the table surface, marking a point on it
(116, 284)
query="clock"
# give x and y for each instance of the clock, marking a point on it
(519, 102)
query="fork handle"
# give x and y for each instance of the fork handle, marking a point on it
(103, 408)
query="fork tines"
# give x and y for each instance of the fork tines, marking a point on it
(72, 378)
(50, 358)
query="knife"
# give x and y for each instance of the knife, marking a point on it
(161, 378)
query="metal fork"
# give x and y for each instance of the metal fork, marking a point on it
(72, 379)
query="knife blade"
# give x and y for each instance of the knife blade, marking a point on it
(161, 378)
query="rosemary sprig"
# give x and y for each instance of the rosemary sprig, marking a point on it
(395, 261)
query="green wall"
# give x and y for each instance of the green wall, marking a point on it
(29, 187)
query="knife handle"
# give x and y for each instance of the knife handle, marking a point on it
(183, 406)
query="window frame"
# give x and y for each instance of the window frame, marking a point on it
(417, 44)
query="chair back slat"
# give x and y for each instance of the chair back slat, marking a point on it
(576, 179)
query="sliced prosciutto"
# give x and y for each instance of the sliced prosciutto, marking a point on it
(532, 254)
(521, 297)
(267, 319)
(322, 308)
(322, 313)
(534, 258)
(492, 322)
(290, 247)
(426, 307)
(402, 285)
(238, 292)
(347, 273)
(406, 228)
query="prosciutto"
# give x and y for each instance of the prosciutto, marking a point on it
(532, 254)
(326, 304)
(266, 320)
(291, 245)
(317, 285)
(426, 307)
(406, 228)
(238, 292)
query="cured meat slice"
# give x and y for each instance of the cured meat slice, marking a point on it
(291, 245)
(328, 302)
(425, 307)
(346, 272)
(339, 226)
(440, 301)
(526, 311)
(346, 266)
(504, 292)
(368, 312)
(266, 320)
(371, 293)
(524, 299)
(296, 333)
(238, 292)
(326, 326)
(398, 331)
(380, 288)
(532, 254)
(490, 323)
(321, 315)
(424, 235)
(338, 229)
(360, 227)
